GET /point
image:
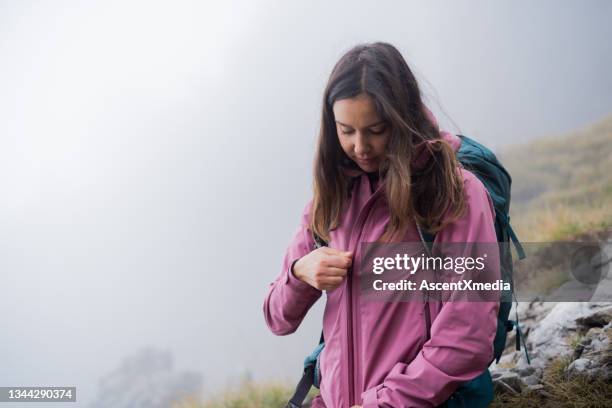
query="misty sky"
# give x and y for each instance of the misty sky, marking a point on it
(155, 158)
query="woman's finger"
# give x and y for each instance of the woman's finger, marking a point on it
(333, 271)
(331, 282)
(337, 261)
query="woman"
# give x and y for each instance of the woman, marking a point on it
(381, 167)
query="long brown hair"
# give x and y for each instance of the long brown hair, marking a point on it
(433, 195)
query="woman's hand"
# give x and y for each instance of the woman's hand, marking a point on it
(356, 406)
(324, 268)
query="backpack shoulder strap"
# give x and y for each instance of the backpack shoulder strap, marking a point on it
(309, 377)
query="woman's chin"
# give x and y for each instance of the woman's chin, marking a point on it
(369, 167)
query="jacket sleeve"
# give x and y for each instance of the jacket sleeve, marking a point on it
(289, 299)
(461, 343)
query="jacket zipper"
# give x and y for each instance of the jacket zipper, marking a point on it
(350, 341)
(361, 219)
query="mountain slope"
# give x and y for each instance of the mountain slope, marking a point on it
(562, 186)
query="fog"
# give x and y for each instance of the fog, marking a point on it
(155, 158)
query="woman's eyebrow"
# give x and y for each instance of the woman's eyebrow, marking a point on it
(373, 124)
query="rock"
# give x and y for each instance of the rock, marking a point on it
(506, 361)
(571, 330)
(598, 318)
(549, 338)
(507, 383)
(531, 380)
(535, 387)
(578, 366)
(580, 331)
(524, 369)
(596, 356)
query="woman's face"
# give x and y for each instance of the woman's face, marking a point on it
(362, 133)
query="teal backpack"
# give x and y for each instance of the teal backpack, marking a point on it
(478, 392)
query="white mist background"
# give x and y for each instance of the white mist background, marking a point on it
(155, 158)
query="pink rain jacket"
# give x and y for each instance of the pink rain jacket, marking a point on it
(376, 353)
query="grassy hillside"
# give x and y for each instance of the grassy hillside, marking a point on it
(562, 186)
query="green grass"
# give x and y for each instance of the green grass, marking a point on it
(562, 186)
(248, 394)
(561, 391)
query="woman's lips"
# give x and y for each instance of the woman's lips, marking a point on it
(368, 161)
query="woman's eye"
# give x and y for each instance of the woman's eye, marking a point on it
(378, 131)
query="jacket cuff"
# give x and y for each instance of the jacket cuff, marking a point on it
(293, 282)
(369, 397)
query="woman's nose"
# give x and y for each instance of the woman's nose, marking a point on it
(361, 146)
